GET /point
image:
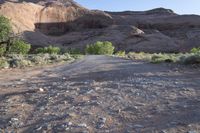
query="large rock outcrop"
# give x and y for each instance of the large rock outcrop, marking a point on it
(69, 25)
(53, 17)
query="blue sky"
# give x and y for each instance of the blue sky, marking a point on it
(179, 6)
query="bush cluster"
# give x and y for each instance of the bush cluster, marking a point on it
(16, 47)
(20, 61)
(48, 50)
(2, 50)
(100, 48)
(19, 47)
(120, 53)
(195, 50)
(183, 58)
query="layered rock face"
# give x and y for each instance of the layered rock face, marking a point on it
(69, 25)
(53, 17)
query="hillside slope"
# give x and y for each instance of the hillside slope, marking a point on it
(69, 25)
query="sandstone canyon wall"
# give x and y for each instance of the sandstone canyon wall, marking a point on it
(69, 25)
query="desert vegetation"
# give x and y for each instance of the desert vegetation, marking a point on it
(100, 48)
(15, 52)
(50, 50)
(107, 48)
(191, 57)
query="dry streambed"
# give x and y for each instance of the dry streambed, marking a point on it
(101, 94)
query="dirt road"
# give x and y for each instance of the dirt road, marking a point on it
(101, 94)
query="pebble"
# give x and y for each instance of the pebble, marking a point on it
(38, 129)
(14, 119)
(138, 126)
(90, 91)
(41, 90)
(69, 123)
(22, 80)
(101, 122)
(82, 125)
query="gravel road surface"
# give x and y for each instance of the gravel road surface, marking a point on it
(101, 94)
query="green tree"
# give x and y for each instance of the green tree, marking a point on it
(5, 29)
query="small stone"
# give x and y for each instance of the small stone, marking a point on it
(97, 88)
(14, 119)
(54, 83)
(138, 94)
(82, 125)
(138, 126)
(38, 129)
(41, 90)
(69, 123)
(90, 91)
(42, 108)
(101, 122)
(100, 125)
(173, 123)
(86, 83)
(64, 78)
(22, 80)
(103, 119)
(72, 115)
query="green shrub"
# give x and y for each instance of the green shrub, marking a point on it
(39, 59)
(5, 28)
(195, 50)
(4, 63)
(49, 50)
(140, 56)
(19, 47)
(120, 53)
(20, 63)
(159, 58)
(74, 51)
(100, 48)
(2, 50)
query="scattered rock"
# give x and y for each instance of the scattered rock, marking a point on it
(101, 122)
(163, 131)
(41, 89)
(138, 126)
(83, 125)
(15, 122)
